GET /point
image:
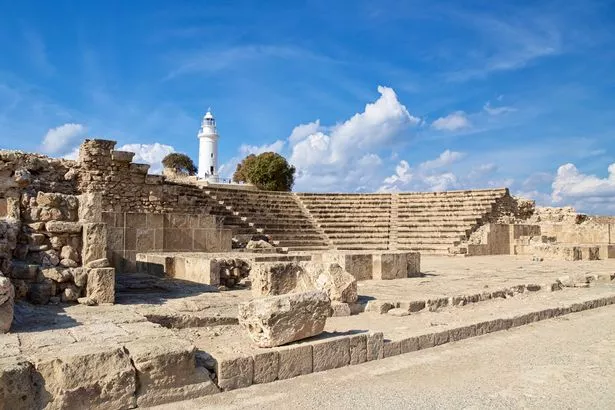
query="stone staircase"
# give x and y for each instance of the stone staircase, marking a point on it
(434, 222)
(277, 214)
(352, 221)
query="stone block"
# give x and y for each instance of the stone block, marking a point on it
(17, 389)
(7, 301)
(379, 306)
(375, 343)
(359, 265)
(410, 344)
(235, 373)
(39, 293)
(331, 278)
(266, 367)
(135, 220)
(331, 354)
(101, 285)
(395, 265)
(295, 361)
(96, 376)
(199, 270)
(63, 227)
(340, 309)
(167, 372)
(391, 348)
(94, 242)
(269, 279)
(277, 320)
(90, 207)
(144, 240)
(22, 270)
(358, 348)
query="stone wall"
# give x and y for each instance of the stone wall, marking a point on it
(126, 186)
(130, 233)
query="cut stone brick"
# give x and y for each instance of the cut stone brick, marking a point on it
(88, 375)
(266, 367)
(167, 372)
(295, 361)
(235, 373)
(331, 354)
(101, 285)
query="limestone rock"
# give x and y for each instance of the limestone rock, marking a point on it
(98, 263)
(259, 244)
(68, 263)
(7, 300)
(340, 285)
(80, 276)
(17, 390)
(269, 279)
(63, 227)
(70, 294)
(68, 252)
(167, 371)
(94, 242)
(101, 285)
(277, 320)
(86, 375)
(39, 293)
(59, 275)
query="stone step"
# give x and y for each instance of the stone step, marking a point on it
(342, 235)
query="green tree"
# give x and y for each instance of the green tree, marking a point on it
(241, 172)
(180, 163)
(268, 171)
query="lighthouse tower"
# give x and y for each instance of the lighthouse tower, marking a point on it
(208, 148)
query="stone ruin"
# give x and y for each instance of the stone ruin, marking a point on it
(71, 231)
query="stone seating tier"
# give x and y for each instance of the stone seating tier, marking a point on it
(426, 222)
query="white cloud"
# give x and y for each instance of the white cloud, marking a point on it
(276, 146)
(58, 139)
(152, 154)
(586, 192)
(491, 110)
(345, 154)
(452, 122)
(446, 158)
(227, 169)
(302, 131)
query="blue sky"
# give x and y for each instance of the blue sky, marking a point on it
(359, 95)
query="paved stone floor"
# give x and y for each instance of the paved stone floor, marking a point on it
(203, 311)
(562, 363)
(447, 276)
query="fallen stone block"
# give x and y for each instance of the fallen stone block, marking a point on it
(277, 320)
(340, 285)
(167, 372)
(340, 309)
(101, 285)
(379, 306)
(399, 312)
(396, 265)
(85, 375)
(17, 390)
(270, 279)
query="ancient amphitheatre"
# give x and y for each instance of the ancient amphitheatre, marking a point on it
(122, 289)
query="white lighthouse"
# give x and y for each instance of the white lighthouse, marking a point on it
(208, 148)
